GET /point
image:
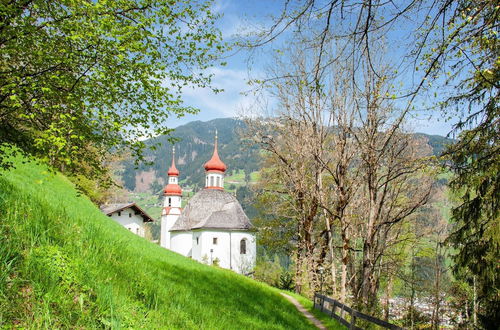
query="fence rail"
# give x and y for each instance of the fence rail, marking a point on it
(333, 305)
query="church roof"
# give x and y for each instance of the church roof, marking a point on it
(172, 189)
(173, 171)
(215, 164)
(212, 209)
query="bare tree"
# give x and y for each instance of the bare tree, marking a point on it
(347, 169)
(293, 139)
(390, 166)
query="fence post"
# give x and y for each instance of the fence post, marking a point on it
(334, 308)
(353, 319)
(322, 302)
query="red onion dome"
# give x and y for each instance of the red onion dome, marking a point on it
(173, 171)
(172, 190)
(215, 164)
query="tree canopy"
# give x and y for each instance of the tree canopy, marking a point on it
(79, 78)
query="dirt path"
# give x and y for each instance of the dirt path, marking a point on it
(304, 311)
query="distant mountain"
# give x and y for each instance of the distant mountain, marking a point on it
(192, 151)
(437, 142)
(195, 148)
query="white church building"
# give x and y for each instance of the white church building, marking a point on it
(212, 228)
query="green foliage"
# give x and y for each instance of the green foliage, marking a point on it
(415, 318)
(63, 264)
(268, 271)
(81, 78)
(475, 158)
(286, 281)
(128, 176)
(93, 188)
(477, 233)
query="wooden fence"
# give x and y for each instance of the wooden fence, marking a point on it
(334, 305)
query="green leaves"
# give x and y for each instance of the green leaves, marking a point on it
(107, 72)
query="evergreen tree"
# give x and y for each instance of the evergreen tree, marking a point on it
(475, 160)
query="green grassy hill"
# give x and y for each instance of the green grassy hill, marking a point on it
(63, 264)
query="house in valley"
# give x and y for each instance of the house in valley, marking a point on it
(129, 215)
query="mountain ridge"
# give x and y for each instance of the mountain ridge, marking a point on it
(195, 148)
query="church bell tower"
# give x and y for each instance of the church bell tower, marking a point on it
(171, 204)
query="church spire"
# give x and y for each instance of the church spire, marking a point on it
(173, 171)
(215, 169)
(215, 164)
(173, 188)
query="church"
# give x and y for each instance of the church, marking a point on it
(212, 228)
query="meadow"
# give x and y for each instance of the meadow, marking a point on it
(63, 264)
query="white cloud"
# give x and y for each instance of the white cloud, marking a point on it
(227, 103)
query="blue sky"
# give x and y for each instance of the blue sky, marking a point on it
(239, 15)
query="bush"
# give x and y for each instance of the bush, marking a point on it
(273, 273)
(287, 281)
(419, 318)
(268, 271)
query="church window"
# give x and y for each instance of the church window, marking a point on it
(243, 246)
(169, 201)
(215, 240)
(218, 181)
(119, 213)
(211, 181)
(197, 240)
(130, 214)
(137, 231)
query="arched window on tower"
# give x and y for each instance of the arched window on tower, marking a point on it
(218, 181)
(169, 201)
(243, 246)
(211, 181)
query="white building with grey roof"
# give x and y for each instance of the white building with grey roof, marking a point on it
(129, 215)
(212, 228)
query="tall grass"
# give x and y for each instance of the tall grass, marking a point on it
(63, 264)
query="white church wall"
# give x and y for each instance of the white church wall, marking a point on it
(164, 233)
(243, 263)
(167, 221)
(211, 250)
(197, 244)
(181, 242)
(226, 249)
(128, 219)
(172, 201)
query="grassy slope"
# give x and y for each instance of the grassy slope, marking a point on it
(64, 264)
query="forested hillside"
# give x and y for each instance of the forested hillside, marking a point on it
(195, 147)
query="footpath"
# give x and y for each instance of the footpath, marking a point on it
(304, 311)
